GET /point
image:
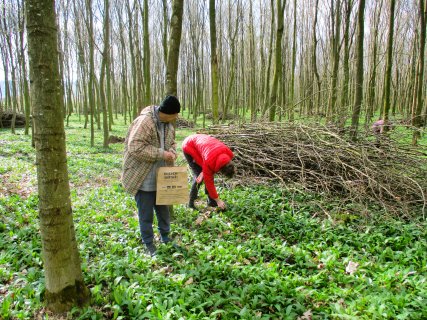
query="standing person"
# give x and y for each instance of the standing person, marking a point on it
(206, 156)
(150, 144)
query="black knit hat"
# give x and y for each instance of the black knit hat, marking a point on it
(170, 105)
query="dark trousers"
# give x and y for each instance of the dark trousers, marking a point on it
(146, 203)
(196, 169)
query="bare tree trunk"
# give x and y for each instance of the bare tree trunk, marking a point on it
(252, 69)
(91, 89)
(359, 71)
(108, 72)
(9, 53)
(231, 83)
(294, 56)
(81, 59)
(372, 87)
(314, 58)
(270, 54)
(165, 31)
(147, 73)
(133, 98)
(278, 59)
(105, 58)
(214, 61)
(123, 69)
(335, 56)
(7, 98)
(26, 89)
(345, 100)
(174, 44)
(417, 104)
(64, 280)
(389, 66)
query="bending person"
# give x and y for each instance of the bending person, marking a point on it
(206, 156)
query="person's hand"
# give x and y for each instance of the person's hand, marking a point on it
(169, 156)
(220, 203)
(199, 179)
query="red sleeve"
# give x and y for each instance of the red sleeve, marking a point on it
(208, 177)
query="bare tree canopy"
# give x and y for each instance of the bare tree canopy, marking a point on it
(237, 59)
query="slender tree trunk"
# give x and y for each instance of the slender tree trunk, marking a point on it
(231, 83)
(278, 59)
(9, 53)
(314, 58)
(389, 66)
(123, 69)
(174, 44)
(294, 59)
(26, 89)
(105, 58)
(147, 73)
(133, 99)
(64, 280)
(252, 69)
(344, 105)
(335, 56)
(270, 55)
(359, 71)
(165, 31)
(372, 87)
(417, 104)
(214, 61)
(140, 89)
(7, 98)
(91, 84)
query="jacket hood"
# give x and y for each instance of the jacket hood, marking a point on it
(221, 161)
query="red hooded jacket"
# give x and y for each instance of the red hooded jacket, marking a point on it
(210, 154)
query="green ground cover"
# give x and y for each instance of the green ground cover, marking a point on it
(271, 255)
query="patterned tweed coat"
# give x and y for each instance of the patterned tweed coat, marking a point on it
(142, 149)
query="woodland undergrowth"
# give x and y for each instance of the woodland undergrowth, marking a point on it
(276, 253)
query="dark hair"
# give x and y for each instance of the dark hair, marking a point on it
(228, 170)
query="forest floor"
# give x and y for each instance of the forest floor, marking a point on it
(272, 255)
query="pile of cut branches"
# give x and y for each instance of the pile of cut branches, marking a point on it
(373, 170)
(184, 123)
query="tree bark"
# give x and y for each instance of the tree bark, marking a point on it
(91, 82)
(335, 56)
(105, 58)
(372, 86)
(389, 66)
(278, 60)
(214, 61)
(174, 44)
(147, 73)
(133, 98)
(294, 56)
(24, 77)
(359, 71)
(314, 58)
(417, 104)
(64, 281)
(345, 100)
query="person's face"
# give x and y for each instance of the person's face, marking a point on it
(164, 117)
